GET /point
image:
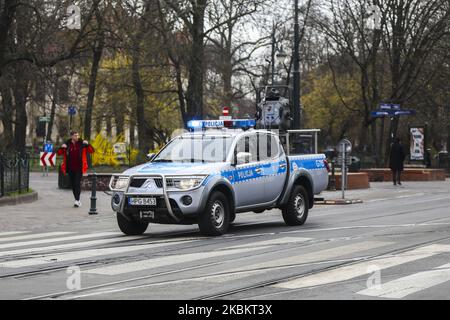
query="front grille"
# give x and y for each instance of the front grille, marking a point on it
(139, 182)
(158, 182)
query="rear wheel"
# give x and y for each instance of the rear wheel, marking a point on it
(296, 211)
(215, 220)
(131, 227)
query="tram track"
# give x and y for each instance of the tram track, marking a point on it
(128, 284)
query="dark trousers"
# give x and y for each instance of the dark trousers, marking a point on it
(75, 180)
(396, 174)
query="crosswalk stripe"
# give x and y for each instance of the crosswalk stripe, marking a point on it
(363, 268)
(83, 254)
(272, 242)
(165, 261)
(402, 287)
(61, 239)
(34, 236)
(316, 256)
(69, 245)
(10, 233)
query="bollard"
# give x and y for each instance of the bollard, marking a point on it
(93, 209)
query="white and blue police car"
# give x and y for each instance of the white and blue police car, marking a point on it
(207, 176)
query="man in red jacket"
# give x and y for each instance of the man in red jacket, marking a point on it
(75, 162)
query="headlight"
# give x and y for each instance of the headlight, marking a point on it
(184, 183)
(119, 183)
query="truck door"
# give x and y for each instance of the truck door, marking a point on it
(248, 179)
(274, 165)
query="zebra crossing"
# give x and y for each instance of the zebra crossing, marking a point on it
(22, 250)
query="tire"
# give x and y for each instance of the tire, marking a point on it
(215, 220)
(131, 228)
(296, 211)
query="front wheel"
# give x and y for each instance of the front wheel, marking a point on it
(215, 220)
(296, 211)
(131, 227)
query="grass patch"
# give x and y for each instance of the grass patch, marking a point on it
(17, 193)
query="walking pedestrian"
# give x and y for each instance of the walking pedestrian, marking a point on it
(397, 158)
(75, 162)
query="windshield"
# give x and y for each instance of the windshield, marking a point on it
(196, 149)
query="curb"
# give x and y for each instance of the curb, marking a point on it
(26, 198)
(339, 202)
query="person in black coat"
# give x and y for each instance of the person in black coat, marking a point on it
(397, 157)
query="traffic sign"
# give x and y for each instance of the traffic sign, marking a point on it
(120, 148)
(344, 144)
(377, 114)
(392, 113)
(339, 160)
(405, 113)
(44, 119)
(47, 159)
(72, 110)
(48, 147)
(389, 106)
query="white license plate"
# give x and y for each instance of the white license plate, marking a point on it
(148, 214)
(142, 202)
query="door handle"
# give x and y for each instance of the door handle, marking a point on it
(282, 166)
(258, 170)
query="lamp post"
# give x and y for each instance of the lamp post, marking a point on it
(296, 58)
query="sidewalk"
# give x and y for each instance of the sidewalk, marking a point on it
(386, 190)
(54, 208)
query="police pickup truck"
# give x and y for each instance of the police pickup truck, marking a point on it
(209, 175)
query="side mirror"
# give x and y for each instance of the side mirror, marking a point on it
(243, 158)
(150, 156)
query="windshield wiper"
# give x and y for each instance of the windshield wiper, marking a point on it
(162, 160)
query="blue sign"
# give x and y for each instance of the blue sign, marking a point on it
(72, 110)
(405, 113)
(377, 114)
(48, 147)
(389, 106)
(392, 113)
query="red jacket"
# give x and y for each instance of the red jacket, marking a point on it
(84, 149)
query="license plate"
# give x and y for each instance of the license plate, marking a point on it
(142, 202)
(148, 214)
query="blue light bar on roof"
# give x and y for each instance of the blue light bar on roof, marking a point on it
(234, 124)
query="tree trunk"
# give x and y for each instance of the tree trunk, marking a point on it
(118, 119)
(98, 125)
(20, 98)
(132, 130)
(180, 92)
(7, 117)
(144, 142)
(108, 126)
(52, 112)
(194, 93)
(7, 11)
(98, 51)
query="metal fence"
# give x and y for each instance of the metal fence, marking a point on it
(14, 173)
